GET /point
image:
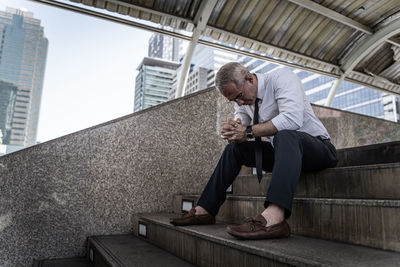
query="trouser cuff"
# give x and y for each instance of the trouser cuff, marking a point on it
(209, 207)
(281, 202)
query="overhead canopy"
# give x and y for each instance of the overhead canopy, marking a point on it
(359, 39)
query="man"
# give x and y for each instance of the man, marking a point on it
(278, 106)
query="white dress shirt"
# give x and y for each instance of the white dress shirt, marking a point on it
(284, 102)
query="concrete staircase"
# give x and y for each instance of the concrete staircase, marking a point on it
(116, 251)
(344, 216)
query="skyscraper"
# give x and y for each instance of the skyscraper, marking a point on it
(8, 93)
(153, 82)
(23, 50)
(165, 47)
(156, 72)
(205, 63)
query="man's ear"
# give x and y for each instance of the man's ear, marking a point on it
(249, 77)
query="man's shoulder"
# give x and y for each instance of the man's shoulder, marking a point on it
(275, 74)
(281, 71)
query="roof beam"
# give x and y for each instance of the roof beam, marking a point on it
(200, 22)
(329, 13)
(369, 45)
(332, 92)
(275, 47)
(149, 10)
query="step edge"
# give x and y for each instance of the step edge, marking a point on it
(39, 263)
(380, 166)
(391, 143)
(103, 250)
(395, 203)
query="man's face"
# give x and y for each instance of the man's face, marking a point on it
(244, 94)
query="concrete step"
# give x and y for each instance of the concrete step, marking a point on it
(72, 262)
(370, 154)
(373, 223)
(379, 181)
(211, 245)
(128, 250)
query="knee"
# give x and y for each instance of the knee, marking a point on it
(230, 148)
(233, 149)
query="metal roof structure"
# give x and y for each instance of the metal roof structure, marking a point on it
(355, 40)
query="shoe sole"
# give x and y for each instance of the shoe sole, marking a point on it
(188, 224)
(238, 236)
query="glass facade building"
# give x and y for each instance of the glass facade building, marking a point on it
(153, 82)
(165, 47)
(8, 93)
(205, 64)
(23, 51)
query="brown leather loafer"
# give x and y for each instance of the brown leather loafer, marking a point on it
(191, 218)
(254, 228)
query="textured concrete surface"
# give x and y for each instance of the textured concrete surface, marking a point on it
(55, 194)
(211, 245)
(349, 130)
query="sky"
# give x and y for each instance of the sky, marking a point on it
(90, 70)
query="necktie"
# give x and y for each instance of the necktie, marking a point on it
(258, 149)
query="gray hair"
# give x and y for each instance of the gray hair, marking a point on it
(230, 72)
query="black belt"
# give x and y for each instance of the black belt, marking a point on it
(323, 139)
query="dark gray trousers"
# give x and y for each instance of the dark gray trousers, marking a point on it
(293, 152)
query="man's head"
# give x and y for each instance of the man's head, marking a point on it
(237, 84)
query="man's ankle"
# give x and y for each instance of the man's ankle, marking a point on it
(200, 210)
(273, 214)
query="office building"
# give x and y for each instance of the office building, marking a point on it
(198, 79)
(22, 63)
(153, 82)
(165, 47)
(8, 93)
(205, 63)
(391, 107)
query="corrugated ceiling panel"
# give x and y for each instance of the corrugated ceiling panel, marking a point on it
(284, 24)
(380, 10)
(273, 25)
(288, 26)
(278, 26)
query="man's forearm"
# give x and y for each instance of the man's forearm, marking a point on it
(264, 129)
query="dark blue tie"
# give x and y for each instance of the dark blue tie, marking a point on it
(258, 144)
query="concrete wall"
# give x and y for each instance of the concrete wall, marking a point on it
(349, 129)
(54, 195)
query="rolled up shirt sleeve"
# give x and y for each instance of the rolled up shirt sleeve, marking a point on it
(241, 113)
(289, 95)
